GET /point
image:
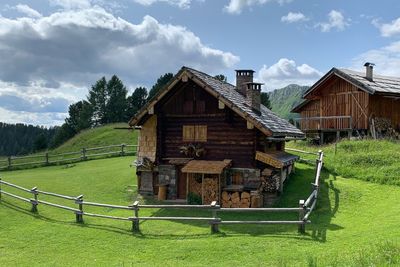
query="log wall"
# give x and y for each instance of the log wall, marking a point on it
(227, 133)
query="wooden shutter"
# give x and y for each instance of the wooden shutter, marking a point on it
(188, 133)
(201, 133)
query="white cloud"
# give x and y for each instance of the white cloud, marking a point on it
(286, 72)
(71, 4)
(28, 11)
(292, 17)
(180, 3)
(336, 20)
(64, 53)
(386, 59)
(236, 6)
(388, 29)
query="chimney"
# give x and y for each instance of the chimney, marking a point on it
(369, 74)
(243, 77)
(253, 96)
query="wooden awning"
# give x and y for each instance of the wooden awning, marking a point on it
(277, 159)
(206, 166)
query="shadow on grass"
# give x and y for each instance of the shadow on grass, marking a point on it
(296, 188)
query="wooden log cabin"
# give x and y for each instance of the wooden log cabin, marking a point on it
(204, 139)
(346, 102)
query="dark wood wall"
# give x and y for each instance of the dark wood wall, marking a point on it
(385, 107)
(227, 133)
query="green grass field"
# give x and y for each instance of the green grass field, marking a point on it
(356, 224)
(376, 161)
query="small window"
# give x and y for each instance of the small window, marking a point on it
(194, 133)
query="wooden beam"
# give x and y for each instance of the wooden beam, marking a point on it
(221, 105)
(250, 126)
(185, 78)
(151, 110)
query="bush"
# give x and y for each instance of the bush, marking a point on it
(194, 199)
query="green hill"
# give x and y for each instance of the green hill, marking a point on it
(284, 99)
(99, 136)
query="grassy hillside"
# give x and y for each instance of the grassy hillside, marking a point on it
(283, 100)
(345, 230)
(369, 160)
(99, 136)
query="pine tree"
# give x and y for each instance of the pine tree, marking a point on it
(116, 100)
(98, 100)
(136, 101)
(161, 82)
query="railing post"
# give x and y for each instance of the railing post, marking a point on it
(135, 220)
(34, 201)
(79, 214)
(83, 153)
(9, 162)
(215, 221)
(122, 149)
(0, 189)
(302, 226)
(47, 158)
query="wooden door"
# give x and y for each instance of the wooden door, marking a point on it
(181, 184)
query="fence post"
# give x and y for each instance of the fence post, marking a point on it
(302, 226)
(122, 149)
(47, 158)
(0, 189)
(79, 214)
(214, 222)
(9, 162)
(34, 201)
(135, 220)
(83, 153)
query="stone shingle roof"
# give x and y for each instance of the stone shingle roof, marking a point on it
(268, 119)
(380, 84)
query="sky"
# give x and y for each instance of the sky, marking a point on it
(52, 51)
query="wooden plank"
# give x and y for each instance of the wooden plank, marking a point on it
(15, 196)
(15, 186)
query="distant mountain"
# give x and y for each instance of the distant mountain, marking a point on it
(284, 99)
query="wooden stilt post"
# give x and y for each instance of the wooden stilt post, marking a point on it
(302, 227)
(135, 221)
(47, 158)
(321, 140)
(202, 188)
(79, 214)
(34, 201)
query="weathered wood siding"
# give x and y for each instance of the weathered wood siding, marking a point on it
(385, 107)
(337, 97)
(310, 110)
(148, 139)
(227, 133)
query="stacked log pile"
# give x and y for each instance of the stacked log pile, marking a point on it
(270, 179)
(194, 186)
(384, 129)
(210, 188)
(235, 199)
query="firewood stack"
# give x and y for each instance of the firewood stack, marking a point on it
(210, 190)
(384, 128)
(269, 180)
(235, 199)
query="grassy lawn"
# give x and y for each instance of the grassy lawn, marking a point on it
(376, 161)
(355, 224)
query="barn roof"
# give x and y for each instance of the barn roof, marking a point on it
(266, 121)
(380, 85)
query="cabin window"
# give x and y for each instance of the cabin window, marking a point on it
(194, 133)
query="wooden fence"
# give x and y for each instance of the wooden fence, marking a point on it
(304, 209)
(68, 157)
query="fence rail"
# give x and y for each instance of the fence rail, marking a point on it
(84, 154)
(304, 210)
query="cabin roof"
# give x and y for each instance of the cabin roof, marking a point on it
(384, 85)
(266, 120)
